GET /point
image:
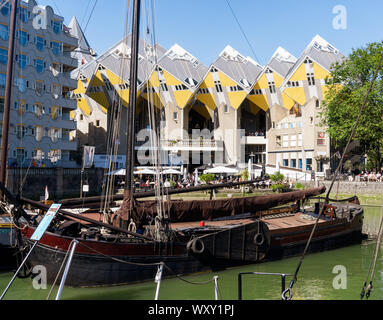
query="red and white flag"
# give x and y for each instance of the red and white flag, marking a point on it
(46, 193)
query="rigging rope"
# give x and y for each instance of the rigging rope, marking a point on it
(287, 294)
(372, 263)
(243, 32)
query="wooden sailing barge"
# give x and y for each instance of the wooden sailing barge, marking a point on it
(223, 239)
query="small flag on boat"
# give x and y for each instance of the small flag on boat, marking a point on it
(88, 156)
(46, 193)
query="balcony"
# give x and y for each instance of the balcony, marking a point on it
(192, 145)
(186, 145)
(255, 140)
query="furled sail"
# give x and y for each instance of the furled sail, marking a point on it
(195, 210)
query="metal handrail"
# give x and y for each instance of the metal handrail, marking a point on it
(282, 275)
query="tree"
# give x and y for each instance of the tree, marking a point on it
(347, 88)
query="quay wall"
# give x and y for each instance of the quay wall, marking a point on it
(347, 187)
(61, 182)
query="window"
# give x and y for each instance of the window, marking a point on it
(203, 91)
(226, 108)
(4, 5)
(2, 80)
(321, 139)
(20, 155)
(285, 141)
(39, 42)
(56, 68)
(299, 163)
(39, 87)
(293, 163)
(39, 64)
(97, 123)
(164, 86)
(285, 125)
(20, 131)
(293, 141)
(23, 37)
(37, 108)
(278, 142)
(256, 91)
(309, 163)
(308, 61)
(56, 47)
(272, 87)
(54, 155)
(4, 32)
(108, 85)
(180, 87)
(311, 79)
(235, 88)
(218, 86)
(293, 83)
(175, 116)
(3, 56)
(21, 84)
(23, 14)
(1, 105)
(56, 26)
(81, 117)
(317, 104)
(292, 125)
(56, 90)
(285, 162)
(300, 140)
(22, 60)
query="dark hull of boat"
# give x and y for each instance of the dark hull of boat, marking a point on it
(8, 258)
(99, 263)
(90, 270)
(331, 235)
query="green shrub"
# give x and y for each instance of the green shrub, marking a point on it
(245, 175)
(299, 186)
(279, 187)
(277, 177)
(207, 177)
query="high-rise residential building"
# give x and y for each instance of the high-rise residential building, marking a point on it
(40, 122)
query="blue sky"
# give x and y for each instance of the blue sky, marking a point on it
(205, 27)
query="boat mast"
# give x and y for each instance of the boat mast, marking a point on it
(130, 152)
(8, 94)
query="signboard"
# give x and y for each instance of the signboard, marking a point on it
(44, 224)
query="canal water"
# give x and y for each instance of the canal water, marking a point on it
(331, 275)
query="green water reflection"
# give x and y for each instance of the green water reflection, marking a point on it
(315, 280)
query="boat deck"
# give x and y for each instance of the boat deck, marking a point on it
(178, 226)
(273, 223)
(296, 220)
